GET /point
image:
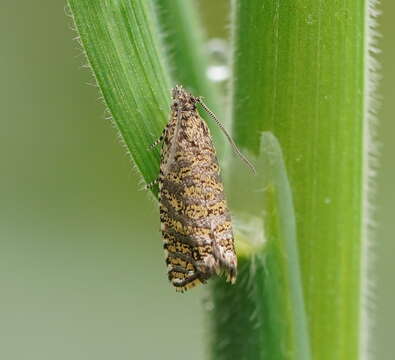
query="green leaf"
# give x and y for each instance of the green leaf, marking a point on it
(121, 43)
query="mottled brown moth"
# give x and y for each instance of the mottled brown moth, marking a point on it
(195, 220)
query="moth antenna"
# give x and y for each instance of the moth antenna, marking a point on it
(235, 148)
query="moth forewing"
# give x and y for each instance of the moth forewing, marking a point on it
(195, 220)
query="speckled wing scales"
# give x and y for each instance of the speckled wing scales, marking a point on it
(195, 221)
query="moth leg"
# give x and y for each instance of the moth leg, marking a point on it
(156, 143)
(159, 140)
(151, 184)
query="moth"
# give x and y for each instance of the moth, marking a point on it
(195, 221)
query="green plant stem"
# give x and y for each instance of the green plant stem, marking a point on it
(121, 43)
(303, 80)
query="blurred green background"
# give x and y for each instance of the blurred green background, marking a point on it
(82, 274)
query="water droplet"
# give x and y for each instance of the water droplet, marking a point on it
(218, 69)
(218, 73)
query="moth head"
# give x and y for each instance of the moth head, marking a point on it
(182, 99)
